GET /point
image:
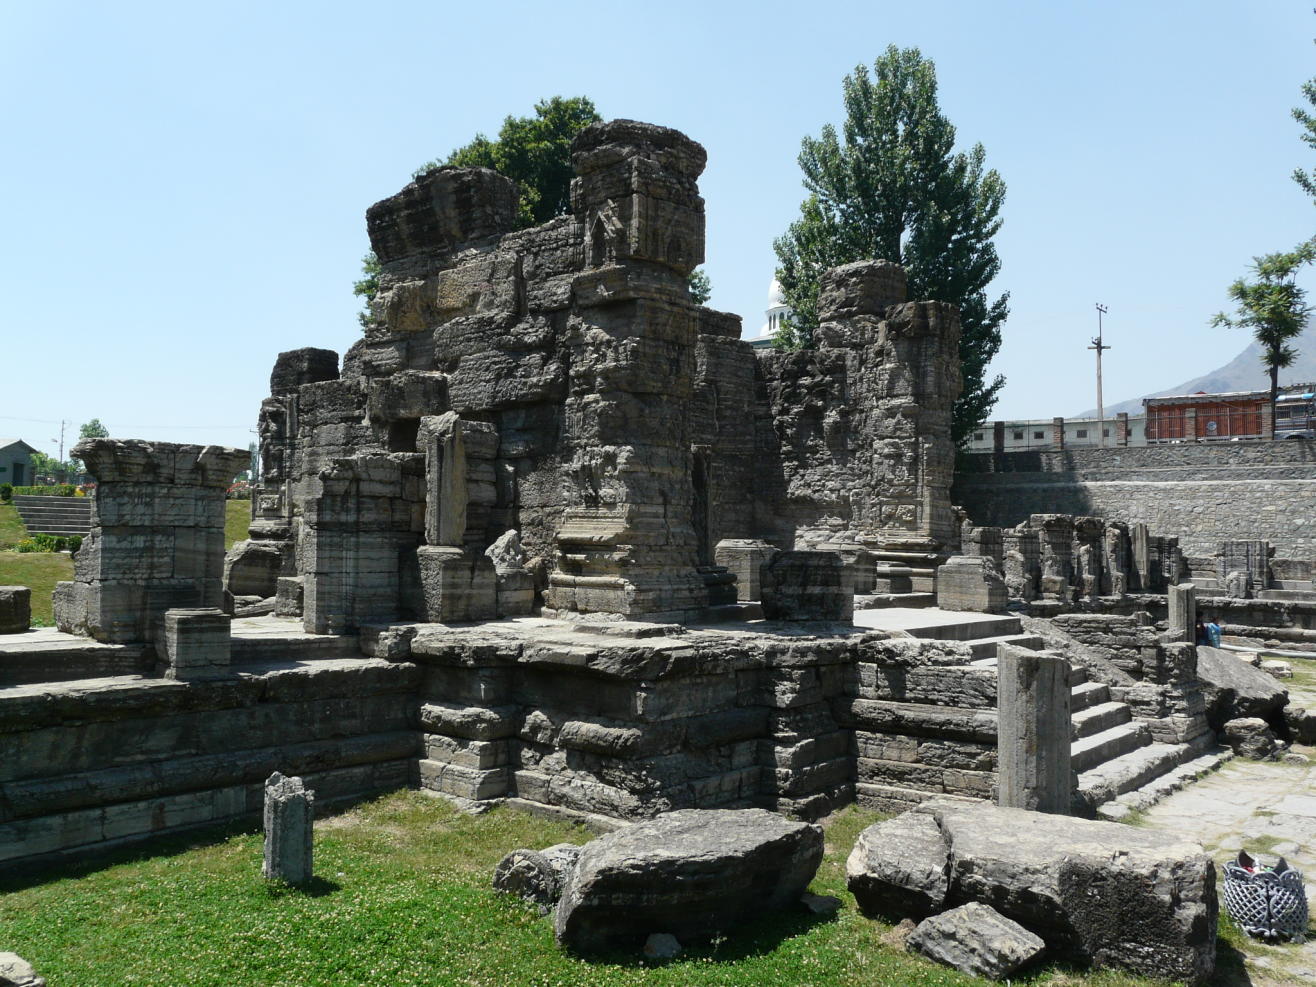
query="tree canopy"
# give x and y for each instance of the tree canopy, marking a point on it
(1307, 179)
(1273, 306)
(890, 186)
(535, 152)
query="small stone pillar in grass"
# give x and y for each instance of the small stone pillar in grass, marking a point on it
(15, 609)
(1183, 613)
(1033, 738)
(289, 812)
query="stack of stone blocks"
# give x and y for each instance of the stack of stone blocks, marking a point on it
(156, 540)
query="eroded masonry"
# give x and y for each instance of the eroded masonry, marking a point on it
(551, 533)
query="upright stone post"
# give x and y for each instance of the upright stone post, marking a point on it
(1183, 613)
(1033, 732)
(1142, 563)
(289, 813)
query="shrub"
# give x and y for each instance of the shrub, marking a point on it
(49, 543)
(26, 545)
(50, 490)
(241, 490)
(6, 492)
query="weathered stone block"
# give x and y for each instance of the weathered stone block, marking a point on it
(977, 940)
(807, 586)
(196, 644)
(457, 585)
(15, 609)
(971, 583)
(288, 596)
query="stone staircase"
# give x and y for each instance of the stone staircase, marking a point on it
(1119, 768)
(55, 515)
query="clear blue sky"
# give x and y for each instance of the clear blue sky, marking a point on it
(186, 183)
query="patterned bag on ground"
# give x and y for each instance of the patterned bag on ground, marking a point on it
(1268, 903)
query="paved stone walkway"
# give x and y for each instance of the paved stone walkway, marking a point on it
(1261, 806)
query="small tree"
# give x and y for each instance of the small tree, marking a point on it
(701, 286)
(1273, 307)
(1307, 179)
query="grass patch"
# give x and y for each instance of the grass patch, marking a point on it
(404, 899)
(12, 529)
(39, 572)
(237, 521)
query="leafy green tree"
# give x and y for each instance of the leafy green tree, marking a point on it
(701, 286)
(93, 430)
(890, 186)
(1273, 307)
(535, 152)
(1307, 179)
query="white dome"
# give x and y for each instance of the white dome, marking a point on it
(776, 299)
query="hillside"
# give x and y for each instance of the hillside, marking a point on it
(1243, 373)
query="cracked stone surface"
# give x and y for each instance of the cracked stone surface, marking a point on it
(1263, 806)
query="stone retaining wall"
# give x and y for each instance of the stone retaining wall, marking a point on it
(98, 762)
(1201, 493)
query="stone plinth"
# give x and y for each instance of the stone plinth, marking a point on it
(892, 577)
(1034, 730)
(157, 536)
(15, 609)
(457, 585)
(744, 557)
(1056, 540)
(288, 596)
(196, 644)
(971, 583)
(289, 814)
(807, 586)
(1021, 564)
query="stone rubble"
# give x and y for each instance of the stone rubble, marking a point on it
(976, 939)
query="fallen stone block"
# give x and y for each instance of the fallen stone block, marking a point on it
(1093, 891)
(1251, 737)
(1301, 724)
(900, 867)
(691, 873)
(1234, 689)
(977, 940)
(17, 972)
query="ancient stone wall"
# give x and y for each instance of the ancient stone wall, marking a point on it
(854, 434)
(85, 765)
(1201, 493)
(628, 430)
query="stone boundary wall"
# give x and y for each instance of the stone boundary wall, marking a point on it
(1201, 493)
(94, 763)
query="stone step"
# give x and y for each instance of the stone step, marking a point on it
(1086, 694)
(1158, 787)
(1078, 675)
(1134, 769)
(1107, 745)
(1102, 716)
(968, 630)
(985, 647)
(881, 601)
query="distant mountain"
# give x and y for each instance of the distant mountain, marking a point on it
(1243, 373)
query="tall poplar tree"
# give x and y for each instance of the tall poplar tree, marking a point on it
(891, 186)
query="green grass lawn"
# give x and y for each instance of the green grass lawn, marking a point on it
(237, 519)
(402, 897)
(39, 572)
(11, 527)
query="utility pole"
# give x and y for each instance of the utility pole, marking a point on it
(62, 425)
(1098, 345)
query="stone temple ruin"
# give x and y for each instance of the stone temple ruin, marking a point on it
(520, 544)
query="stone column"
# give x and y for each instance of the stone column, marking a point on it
(1056, 536)
(1182, 600)
(1033, 739)
(1115, 559)
(289, 813)
(458, 582)
(1088, 550)
(1142, 560)
(157, 536)
(1020, 564)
